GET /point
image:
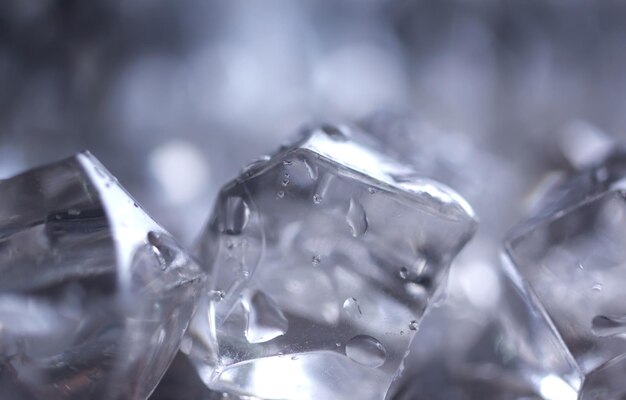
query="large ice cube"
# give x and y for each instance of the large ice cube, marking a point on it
(571, 258)
(324, 258)
(94, 295)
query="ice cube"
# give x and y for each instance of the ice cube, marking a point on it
(323, 260)
(571, 259)
(483, 341)
(94, 295)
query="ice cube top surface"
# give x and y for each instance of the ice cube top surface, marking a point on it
(571, 259)
(323, 258)
(94, 295)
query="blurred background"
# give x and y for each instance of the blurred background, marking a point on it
(175, 97)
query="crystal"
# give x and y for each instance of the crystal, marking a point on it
(323, 277)
(94, 295)
(515, 355)
(570, 260)
(482, 341)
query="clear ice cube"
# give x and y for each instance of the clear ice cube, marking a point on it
(571, 259)
(506, 351)
(483, 341)
(323, 260)
(94, 295)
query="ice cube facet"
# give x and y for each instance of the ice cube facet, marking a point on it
(323, 260)
(571, 258)
(94, 295)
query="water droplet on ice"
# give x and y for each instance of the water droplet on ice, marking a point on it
(366, 350)
(317, 199)
(404, 272)
(265, 319)
(280, 194)
(285, 182)
(413, 325)
(237, 215)
(603, 326)
(352, 308)
(597, 287)
(357, 219)
(316, 259)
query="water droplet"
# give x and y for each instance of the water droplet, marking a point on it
(316, 259)
(294, 357)
(317, 199)
(336, 132)
(287, 163)
(265, 319)
(311, 170)
(356, 218)
(164, 248)
(352, 307)
(413, 325)
(604, 326)
(372, 190)
(136, 205)
(237, 215)
(280, 194)
(404, 273)
(597, 287)
(366, 350)
(285, 182)
(338, 344)
(73, 212)
(217, 295)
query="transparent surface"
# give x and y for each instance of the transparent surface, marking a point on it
(571, 259)
(94, 295)
(514, 356)
(324, 258)
(181, 382)
(482, 341)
